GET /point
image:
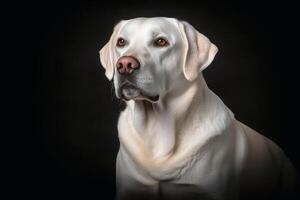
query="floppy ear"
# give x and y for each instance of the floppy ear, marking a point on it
(199, 52)
(107, 53)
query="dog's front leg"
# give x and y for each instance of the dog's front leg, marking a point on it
(132, 183)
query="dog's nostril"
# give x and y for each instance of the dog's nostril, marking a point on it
(129, 65)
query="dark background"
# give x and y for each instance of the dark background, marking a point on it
(63, 110)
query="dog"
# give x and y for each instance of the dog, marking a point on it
(177, 138)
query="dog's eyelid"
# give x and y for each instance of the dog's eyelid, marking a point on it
(163, 36)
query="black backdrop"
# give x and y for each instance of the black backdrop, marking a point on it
(67, 134)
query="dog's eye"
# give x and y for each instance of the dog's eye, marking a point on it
(161, 42)
(121, 42)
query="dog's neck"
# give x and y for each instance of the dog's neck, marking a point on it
(160, 125)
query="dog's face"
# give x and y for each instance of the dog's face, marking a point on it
(145, 56)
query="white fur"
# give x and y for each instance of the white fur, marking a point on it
(187, 143)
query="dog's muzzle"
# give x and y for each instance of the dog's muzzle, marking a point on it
(129, 91)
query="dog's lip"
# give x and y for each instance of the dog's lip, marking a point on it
(129, 91)
(129, 85)
(141, 95)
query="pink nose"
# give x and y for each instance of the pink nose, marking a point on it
(127, 64)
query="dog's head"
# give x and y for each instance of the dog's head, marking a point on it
(146, 56)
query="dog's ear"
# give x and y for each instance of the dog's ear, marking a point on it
(107, 53)
(199, 52)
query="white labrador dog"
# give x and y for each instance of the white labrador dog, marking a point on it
(177, 138)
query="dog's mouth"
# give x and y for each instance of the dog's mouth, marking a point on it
(129, 91)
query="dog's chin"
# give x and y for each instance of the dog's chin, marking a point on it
(131, 92)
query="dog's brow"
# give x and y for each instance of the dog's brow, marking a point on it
(155, 34)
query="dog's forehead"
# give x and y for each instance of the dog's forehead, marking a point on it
(149, 25)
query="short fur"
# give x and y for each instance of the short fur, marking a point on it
(186, 145)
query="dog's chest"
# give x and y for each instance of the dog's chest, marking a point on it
(196, 179)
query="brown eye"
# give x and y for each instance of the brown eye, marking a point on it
(161, 42)
(121, 42)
